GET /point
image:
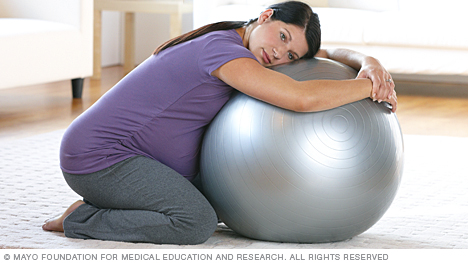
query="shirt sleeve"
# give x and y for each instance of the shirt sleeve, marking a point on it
(220, 49)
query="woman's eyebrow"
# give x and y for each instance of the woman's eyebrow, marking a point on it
(290, 39)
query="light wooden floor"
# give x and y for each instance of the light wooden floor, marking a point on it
(27, 111)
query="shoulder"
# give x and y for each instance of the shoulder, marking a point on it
(224, 42)
(209, 44)
(230, 37)
(221, 47)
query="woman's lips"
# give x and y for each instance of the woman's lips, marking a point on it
(266, 58)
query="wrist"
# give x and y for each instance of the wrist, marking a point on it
(368, 60)
(367, 89)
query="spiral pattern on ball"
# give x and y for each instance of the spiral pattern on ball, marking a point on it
(278, 175)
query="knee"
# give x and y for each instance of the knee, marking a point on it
(186, 229)
(201, 228)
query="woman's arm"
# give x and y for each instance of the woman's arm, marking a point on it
(249, 77)
(368, 67)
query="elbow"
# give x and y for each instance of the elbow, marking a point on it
(301, 107)
(306, 99)
(305, 104)
(312, 104)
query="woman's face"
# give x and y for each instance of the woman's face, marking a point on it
(274, 42)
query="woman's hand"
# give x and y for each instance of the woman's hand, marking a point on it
(383, 87)
(393, 101)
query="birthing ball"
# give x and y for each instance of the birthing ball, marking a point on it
(277, 175)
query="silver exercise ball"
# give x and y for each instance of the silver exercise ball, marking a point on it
(277, 175)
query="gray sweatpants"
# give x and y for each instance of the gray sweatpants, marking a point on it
(139, 200)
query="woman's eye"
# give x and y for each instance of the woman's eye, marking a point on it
(290, 56)
(283, 36)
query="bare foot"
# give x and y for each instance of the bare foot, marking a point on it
(56, 224)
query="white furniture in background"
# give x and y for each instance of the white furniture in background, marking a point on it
(422, 40)
(175, 8)
(45, 41)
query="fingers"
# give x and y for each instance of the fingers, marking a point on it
(382, 83)
(383, 88)
(362, 75)
(375, 82)
(375, 89)
(394, 107)
(393, 100)
(394, 104)
(387, 87)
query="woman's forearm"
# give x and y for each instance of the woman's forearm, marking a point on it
(348, 57)
(319, 95)
(249, 77)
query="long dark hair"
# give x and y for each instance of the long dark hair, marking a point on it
(290, 12)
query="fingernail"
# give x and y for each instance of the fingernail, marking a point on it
(380, 101)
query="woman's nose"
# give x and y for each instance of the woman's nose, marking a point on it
(278, 53)
(275, 53)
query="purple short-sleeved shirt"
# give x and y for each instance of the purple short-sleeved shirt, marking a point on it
(159, 110)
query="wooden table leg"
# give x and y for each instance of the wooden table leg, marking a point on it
(129, 49)
(97, 45)
(176, 24)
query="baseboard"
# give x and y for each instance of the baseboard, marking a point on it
(451, 79)
(437, 89)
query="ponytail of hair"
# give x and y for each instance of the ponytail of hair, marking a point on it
(227, 25)
(289, 12)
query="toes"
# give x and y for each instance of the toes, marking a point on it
(47, 226)
(53, 225)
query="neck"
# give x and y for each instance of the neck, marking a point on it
(244, 32)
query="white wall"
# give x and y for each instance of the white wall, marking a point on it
(151, 30)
